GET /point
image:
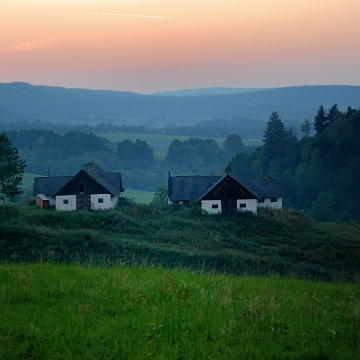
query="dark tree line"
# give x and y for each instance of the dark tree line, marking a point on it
(247, 127)
(321, 172)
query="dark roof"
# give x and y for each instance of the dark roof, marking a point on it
(186, 188)
(50, 186)
(267, 188)
(111, 181)
(247, 186)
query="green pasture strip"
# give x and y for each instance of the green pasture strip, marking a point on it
(117, 312)
(139, 196)
(161, 142)
(28, 181)
(250, 142)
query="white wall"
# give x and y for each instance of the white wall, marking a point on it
(207, 205)
(108, 202)
(71, 203)
(273, 205)
(250, 205)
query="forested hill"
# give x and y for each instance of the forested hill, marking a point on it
(19, 101)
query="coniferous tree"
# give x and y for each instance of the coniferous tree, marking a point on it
(274, 136)
(321, 121)
(332, 114)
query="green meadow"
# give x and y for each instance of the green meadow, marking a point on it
(139, 196)
(28, 181)
(57, 311)
(161, 142)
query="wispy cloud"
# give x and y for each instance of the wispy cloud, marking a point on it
(22, 46)
(117, 14)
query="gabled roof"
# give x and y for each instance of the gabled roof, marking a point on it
(186, 188)
(111, 181)
(267, 188)
(50, 186)
(247, 186)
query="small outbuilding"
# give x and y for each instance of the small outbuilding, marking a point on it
(42, 201)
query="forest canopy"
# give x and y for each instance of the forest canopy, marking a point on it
(320, 172)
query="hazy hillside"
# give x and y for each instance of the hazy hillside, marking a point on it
(19, 101)
(208, 91)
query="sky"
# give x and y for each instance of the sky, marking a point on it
(147, 46)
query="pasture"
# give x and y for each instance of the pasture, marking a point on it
(160, 143)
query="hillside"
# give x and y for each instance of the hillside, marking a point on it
(208, 91)
(19, 101)
(286, 243)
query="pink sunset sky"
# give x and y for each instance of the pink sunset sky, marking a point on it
(146, 46)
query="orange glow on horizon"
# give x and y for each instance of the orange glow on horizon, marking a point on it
(156, 45)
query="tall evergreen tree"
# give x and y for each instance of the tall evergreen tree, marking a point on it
(321, 121)
(274, 136)
(332, 114)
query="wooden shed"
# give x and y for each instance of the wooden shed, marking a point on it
(42, 201)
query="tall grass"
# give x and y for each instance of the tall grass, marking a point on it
(50, 311)
(287, 243)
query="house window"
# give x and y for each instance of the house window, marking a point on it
(81, 189)
(273, 199)
(229, 193)
(243, 205)
(65, 201)
(100, 200)
(214, 206)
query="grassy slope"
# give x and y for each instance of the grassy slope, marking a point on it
(77, 312)
(286, 243)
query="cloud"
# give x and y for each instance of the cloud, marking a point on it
(22, 46)
(117, 14)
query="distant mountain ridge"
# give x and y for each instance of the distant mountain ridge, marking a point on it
(19, 101)
(208, 91)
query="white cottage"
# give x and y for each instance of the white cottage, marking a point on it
(90, 189)
(226, 194)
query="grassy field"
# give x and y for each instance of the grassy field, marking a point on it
(52, 311)
(161, 142)
(139, 196)
(28, 181)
